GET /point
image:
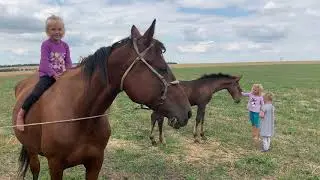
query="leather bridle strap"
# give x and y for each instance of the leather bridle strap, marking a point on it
(141, 58)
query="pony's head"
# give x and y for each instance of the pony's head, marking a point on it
(234, 88)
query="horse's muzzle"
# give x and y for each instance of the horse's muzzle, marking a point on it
(175, 123)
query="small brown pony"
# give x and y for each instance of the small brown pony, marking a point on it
(135, 65)
(199, 92)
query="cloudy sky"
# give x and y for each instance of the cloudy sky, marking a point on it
(193, 31)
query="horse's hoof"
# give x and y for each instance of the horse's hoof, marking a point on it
(163, 143)
(204, 138)
(154, 143)
(196, 141)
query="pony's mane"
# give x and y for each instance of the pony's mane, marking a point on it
(97, 60)
(215, 76)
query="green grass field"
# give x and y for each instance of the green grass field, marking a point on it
(228, 153)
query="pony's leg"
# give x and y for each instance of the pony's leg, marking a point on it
(202, 114)
(196, 134)
(55, 168)
(34, 166)
(153, 122)
(93, 167)
(161, 134)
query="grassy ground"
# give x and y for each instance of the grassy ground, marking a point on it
(228, 153)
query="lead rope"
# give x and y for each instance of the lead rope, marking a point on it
(55, 122)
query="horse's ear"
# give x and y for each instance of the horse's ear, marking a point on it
(135, 32)
(150, 32)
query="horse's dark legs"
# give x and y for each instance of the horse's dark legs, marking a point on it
(161, 134)
(199, 118)
(153, 122)
(93, 167)
(203, 112)
(34, 166)
(55, 168)
(157, 118)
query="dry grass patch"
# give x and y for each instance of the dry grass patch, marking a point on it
(121, 144)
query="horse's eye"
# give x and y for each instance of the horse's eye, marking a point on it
(163, 70)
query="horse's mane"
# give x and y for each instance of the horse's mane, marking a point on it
(97, 60)
(214, 76)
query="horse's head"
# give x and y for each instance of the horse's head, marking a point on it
(147, 79)
(234, 88)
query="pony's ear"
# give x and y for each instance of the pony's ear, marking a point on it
(135, 32)
(237, 78)
(149, 33)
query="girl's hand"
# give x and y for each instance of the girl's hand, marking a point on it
(261, 114)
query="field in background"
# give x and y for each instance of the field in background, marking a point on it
(228, 154)
(13, 70)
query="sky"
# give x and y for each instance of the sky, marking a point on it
(193, 31)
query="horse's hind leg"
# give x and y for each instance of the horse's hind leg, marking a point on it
(203, 111)
(93, 167)
(34, 166)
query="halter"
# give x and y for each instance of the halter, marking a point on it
(141, 58)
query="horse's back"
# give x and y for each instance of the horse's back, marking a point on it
(25, 86)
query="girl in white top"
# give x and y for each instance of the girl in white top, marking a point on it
(267, 122)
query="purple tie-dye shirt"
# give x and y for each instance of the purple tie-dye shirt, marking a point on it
(255, 102)
(55, 58)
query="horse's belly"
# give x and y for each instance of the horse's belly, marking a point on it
(74, 146)
(83, 154)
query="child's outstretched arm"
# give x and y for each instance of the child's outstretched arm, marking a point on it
(44, 65)
(245, 94)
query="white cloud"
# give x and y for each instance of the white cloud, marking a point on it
(287, 28)
(209, 4)
(270, 5)
(312, 12)
(200, 47)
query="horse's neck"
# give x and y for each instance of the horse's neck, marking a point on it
(217, 84)
(97, 97)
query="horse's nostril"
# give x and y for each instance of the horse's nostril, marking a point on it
(189, 114)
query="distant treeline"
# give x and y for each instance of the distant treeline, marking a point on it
(10, 69)
(172, 63)
(22, 65)
(18, 65)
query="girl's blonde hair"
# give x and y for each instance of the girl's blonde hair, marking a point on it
(259, 86)
(53, 18)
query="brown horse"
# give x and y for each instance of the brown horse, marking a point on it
(135, 65)
(199, 92)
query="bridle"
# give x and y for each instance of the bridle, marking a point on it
(140, 57)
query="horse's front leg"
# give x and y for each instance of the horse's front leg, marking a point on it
(202, 114)
(56, 168)
(161, 134)
(196, 133)
(153, 122)
(93, 167)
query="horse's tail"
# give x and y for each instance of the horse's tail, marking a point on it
(24, 162)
